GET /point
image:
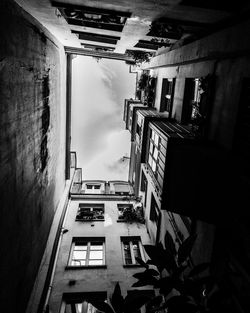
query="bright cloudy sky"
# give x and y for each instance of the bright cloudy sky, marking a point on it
(98, 132)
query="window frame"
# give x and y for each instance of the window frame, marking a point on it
(92, 207)
(120, 208)
(93, 190)
(167, 95)
(154, 211)
(130, 240)
(74, 298)
(155, 150)
(88, 241)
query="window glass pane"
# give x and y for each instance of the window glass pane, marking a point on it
(152, 134)
(150, 160)
(95, 262)
(136, 250)
(80, 247)
(153, 166)
(156, 139)
(96, 245)
(96, 248)
(151, 147)
(78, 262)
(89, 186)
(127, 253)
(155, 155)
(79, 307)
(97, 186)
(96, 255)
(79, 255)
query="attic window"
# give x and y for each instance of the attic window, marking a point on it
(121, 189)
(93, 188)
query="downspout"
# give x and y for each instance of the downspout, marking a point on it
(61, 231)
(43, 305)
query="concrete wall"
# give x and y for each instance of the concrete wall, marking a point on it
(103, 279)
(32, 136)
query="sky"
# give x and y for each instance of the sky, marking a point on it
(98, 133)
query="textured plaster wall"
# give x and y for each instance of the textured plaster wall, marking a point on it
(103, 279)
(32, 148)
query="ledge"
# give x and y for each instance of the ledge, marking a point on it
(131, 265)
(90, 221)
(69, 267)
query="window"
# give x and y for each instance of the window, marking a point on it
(144, 187)
(154, 143)
(86, 252)
(154, 210)
(167, 95)
(93, 188)
(121, 208)
(93, 17)
(192, 98)
(139, 125)
(90, 212)
(80, 307)
(82, 302)
(122, 189)
(131, 248)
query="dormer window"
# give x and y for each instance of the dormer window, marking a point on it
(93, 16)
(93, 188)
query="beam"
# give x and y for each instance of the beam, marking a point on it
(99, 54)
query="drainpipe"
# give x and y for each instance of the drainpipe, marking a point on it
(43, 305)
(62, 232)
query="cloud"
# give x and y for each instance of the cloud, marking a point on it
(119, 166)
(98, 93)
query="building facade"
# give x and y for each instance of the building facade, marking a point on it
(99, 246)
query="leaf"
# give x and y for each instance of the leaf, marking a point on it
(179, 270)
(140, 275)
(166, 285)
(168, 258)
(152, 272)
(155, 302)
(145, 281)
(186, 248)
(102, 306)
(198, 269)
(134, 301)
(146, 275)
(155, 255)
(151, 251)
(140, 283)
(169, 243)
(177, 304)
(117, 300)
(141, 262)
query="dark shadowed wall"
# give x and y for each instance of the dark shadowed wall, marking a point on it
(32, 149)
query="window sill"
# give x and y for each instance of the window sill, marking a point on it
(69, 267)
(131, 265)
(94, 220)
